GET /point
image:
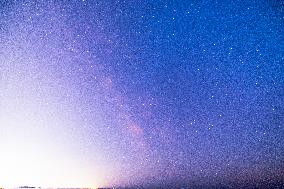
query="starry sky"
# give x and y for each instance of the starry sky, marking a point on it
(141, 93)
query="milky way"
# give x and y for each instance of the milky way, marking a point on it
(141, 93)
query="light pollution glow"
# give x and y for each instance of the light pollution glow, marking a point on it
(40, 139)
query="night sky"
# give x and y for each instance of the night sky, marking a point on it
(142, 93)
